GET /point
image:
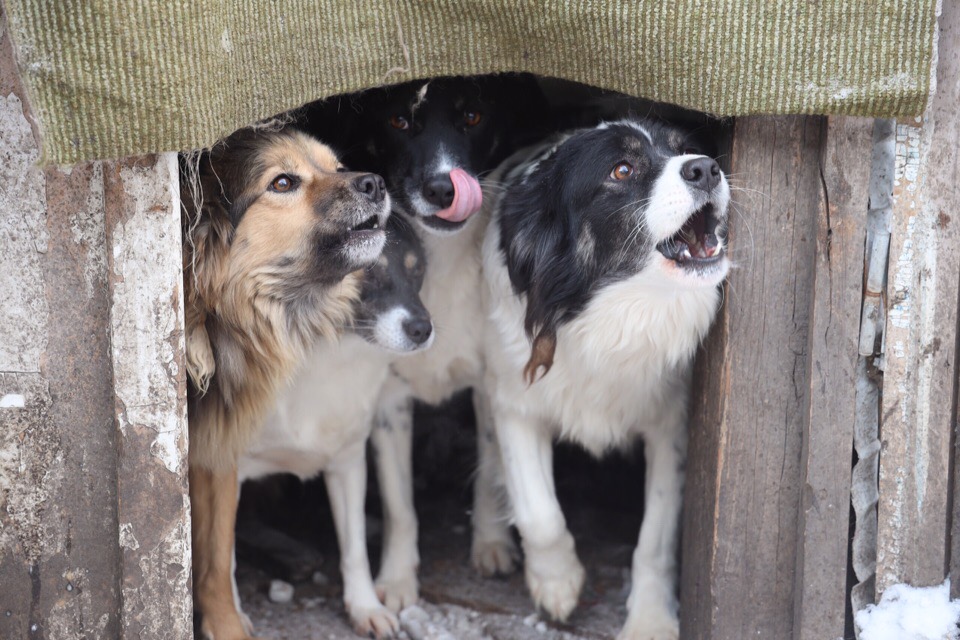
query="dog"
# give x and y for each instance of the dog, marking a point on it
(275, 235)
(322, 420)
(603, 260)
(432, 141)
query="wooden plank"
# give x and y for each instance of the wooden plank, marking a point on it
(144, 272)
(918, 414)
(824, 527)
(752, 387)
(57, 448)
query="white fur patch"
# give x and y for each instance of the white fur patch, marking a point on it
(673, 201)
(390, 334)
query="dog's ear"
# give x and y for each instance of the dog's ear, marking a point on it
(538, 238)
(207, 233)
(201, 364)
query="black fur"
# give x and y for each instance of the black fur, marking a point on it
(512, 110)
(392, 282)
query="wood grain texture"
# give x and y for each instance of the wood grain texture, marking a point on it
(58, 493)
(743, 492)
(918, 411)
(838, 264)
(149, 382)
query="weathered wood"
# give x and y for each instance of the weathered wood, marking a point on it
(144, 273)
(94, 540)
(824, 527)
(918, 414)
(750, 403)
(57, 447)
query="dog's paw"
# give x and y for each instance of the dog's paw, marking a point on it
(653, 626)
(557, 592)
(376, 622)
(246, 622)
(494, 557)
(398, 592)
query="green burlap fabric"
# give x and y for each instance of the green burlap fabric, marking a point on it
(110, 78)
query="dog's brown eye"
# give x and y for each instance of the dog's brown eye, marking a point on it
(622, 171)
(283, 183)
(691, 151)
(399, 122)
(471, 118)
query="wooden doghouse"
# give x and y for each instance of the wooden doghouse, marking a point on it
(831, 371)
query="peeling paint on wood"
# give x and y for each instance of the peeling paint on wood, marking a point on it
(73, 348)
(57, 450)
(23, 235)
(144, 264)
(918, 414)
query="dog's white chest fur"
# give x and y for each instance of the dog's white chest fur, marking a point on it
(311, 422)
(621, 367)
(451, 292)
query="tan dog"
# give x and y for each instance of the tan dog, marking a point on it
(270, 267)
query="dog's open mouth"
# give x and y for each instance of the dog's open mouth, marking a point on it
(370, 224)
(698, 242)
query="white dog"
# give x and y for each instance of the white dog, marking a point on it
(603, 259)
(323, 418)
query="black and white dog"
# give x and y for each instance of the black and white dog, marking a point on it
(323, 418)
(432, 140)
(603, 258)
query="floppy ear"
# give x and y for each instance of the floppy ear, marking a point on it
(206, 243)
(201, 364)
(537, 238)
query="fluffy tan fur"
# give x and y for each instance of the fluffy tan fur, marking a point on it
(266, 275)
(237, 290)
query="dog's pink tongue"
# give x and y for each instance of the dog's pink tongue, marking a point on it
(467, 197)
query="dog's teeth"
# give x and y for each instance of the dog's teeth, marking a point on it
(686, 254)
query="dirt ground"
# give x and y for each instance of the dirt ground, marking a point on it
(601, 501)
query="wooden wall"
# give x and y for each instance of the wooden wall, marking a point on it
(94, 524)
(767, 515)
(94, 527)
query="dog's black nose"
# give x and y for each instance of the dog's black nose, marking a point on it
(418, 329)
(371, 186)
(702, 173)
(438, 191)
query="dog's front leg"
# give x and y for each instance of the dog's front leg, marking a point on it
(652, 605)
(392, 439)
(553, 571)
(493, 551)
(346, 482)
(213, 499)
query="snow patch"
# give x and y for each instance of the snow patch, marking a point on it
(911, 613)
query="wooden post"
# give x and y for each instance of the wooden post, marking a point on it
(144, 273)
(767, 498)
(94, 533)
(918, 412)
(824, 527)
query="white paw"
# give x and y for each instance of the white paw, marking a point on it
(652, 626)
(398, 592)
(494, 557)
(378, 621)
(556, 590)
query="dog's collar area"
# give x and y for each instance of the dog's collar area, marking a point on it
(699, 240)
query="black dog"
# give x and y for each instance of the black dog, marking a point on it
(433, 139)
